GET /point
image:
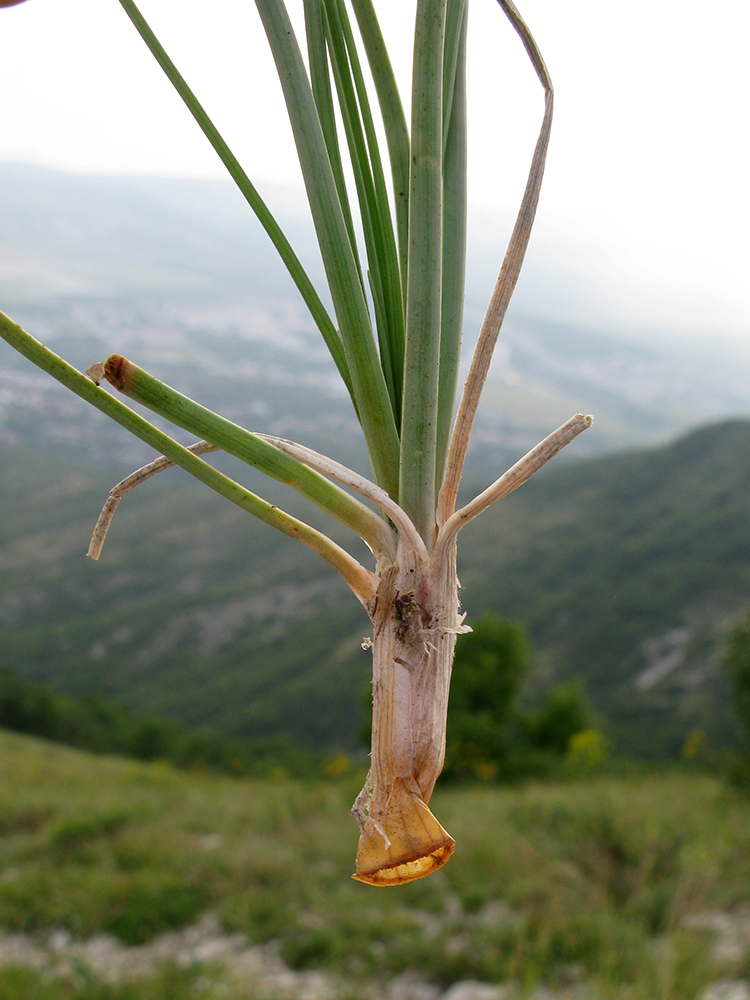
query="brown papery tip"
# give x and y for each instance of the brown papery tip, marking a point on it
(115, 370)
(402, 844)
(95, 372)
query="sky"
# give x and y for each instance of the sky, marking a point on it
(646, 189)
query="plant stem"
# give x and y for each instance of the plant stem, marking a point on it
(415, 622)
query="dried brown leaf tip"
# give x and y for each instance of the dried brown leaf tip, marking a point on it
(115, 370)
(95, 372)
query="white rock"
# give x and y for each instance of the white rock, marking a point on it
(17, 949)
(407, 986)
(728, 989)
(59, 940)
(469, 990)
(732, 932)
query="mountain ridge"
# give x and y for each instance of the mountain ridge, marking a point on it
(626, 570)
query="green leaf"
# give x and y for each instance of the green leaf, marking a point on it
(355, 575)
(317, 52)
(235, 440)
(253, 198)
(423, 301)
(368, 381)
(372, 194)
(394, 120)
(454, 227)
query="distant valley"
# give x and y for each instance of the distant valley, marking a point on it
(179, 275)
(627, 560)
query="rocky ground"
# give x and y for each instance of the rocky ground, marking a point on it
(231, 963)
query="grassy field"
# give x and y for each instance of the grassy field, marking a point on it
(590, 888)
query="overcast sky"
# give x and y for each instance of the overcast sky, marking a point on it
(646, 184)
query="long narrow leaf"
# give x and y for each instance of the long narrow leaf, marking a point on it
(505, 285)
(317, 52)
(350, 114)
(423, 296)
(361, 581)
(393, 286)
(368, 382)
(238, 175)
(235, 440)
(373, 198)
(328, 467)
(455, 41)
(394, 120)
(381, 318)
(516, 476)
(454, 228)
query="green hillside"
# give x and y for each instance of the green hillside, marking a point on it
(611, 888)
(626, 571)
(189, 611)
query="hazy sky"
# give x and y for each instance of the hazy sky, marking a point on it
(646, 183)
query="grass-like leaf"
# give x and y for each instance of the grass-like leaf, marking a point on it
(380, 241)
(505, 285)
(454, 227)
(424, 289)
(320, 81)
(235, 440)
(394, 120)
(296, 270)
(359, 579)
(368, 381)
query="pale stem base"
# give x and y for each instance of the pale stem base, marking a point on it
(415, 620)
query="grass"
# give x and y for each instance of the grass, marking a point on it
(589, 881)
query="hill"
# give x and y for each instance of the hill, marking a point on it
(625, 570)
(628, 571)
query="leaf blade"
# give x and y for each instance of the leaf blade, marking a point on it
(423, 296)
(368, 381)
(265, 217)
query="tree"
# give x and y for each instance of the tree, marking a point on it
(491, 663)
(394, 336)
(489, 736)
(565, 713)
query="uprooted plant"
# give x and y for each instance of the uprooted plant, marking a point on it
(395, 339)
